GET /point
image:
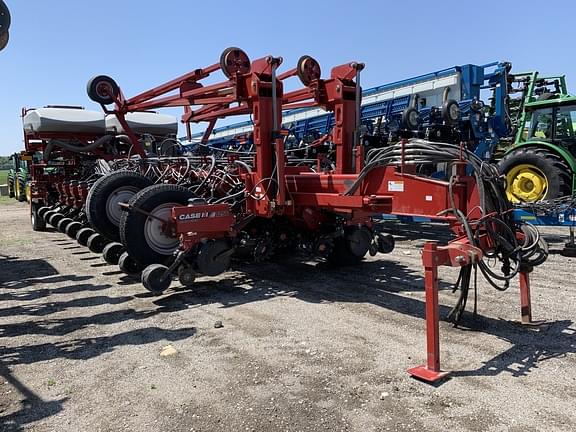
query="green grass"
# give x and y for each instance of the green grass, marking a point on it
(3, 177)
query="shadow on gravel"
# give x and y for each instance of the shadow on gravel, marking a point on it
(45, 309)
(13, 269)
(87, 348)
(529, 346)
(379, 283)
(32, 407)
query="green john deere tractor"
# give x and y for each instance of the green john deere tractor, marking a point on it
(541, 163)
(18, 179)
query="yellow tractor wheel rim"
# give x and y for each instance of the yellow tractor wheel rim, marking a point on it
(16, 188)
(526, 183)
(28, 192)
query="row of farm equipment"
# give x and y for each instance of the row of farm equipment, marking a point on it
(122, 184)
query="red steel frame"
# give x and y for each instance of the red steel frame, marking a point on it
(303, 194)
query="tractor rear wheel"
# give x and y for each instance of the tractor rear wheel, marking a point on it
(11, 185)
(535, 174)
(143, 228)
(105, 195)
(21, 186)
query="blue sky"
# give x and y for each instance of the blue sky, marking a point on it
(56, 46)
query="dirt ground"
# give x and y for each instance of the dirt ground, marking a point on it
(301, 348)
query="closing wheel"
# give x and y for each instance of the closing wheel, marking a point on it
(186, 275)
(234, 61)
(129, 265)
(42, 211)
(83, 235)
(73, 228)
(155, 278)
(63, 224)
(102, 89)
(146, 232)
(102, 204)
(38, 224)
(534, 174)
(96, 243)
(214, 257)
(112, 252)
(385, 243)
(48, 215)
(55, 218)
(351, 248)
(308, 70)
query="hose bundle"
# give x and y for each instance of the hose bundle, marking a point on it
(495, 224)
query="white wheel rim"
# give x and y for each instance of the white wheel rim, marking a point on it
(120, 195)
(158, 241)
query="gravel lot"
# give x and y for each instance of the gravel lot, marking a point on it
(301, 348)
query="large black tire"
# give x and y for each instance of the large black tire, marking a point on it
(11, 185)
(21, 187)
(557, 172)
(141, 234)
(38, 223)
(102, 209)
(21, 179)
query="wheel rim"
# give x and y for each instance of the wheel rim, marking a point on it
(120, 195)
(155, 237)
(28, 192)
(526, 183)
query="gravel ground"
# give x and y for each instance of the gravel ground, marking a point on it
(299, 348)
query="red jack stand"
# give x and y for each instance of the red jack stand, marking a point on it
(455, 254)
(526, 302)
(432, 257)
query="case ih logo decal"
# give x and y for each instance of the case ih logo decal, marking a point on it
(201, 215)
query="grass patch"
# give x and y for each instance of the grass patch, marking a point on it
(3, 177)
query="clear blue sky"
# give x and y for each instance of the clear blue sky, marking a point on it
(57, 45)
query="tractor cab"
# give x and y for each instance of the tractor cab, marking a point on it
(552, 122)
